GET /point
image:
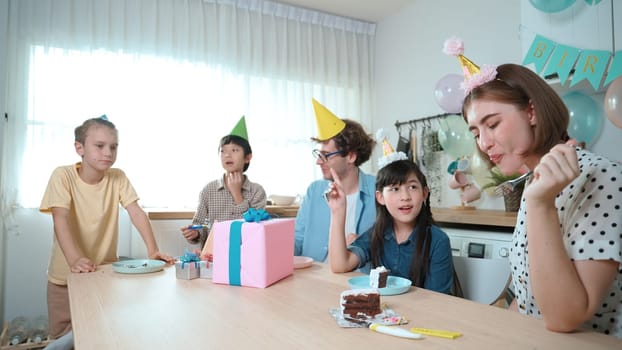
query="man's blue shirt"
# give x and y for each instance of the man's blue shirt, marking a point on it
(313, 219)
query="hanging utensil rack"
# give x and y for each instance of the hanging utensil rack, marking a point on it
(414, 122)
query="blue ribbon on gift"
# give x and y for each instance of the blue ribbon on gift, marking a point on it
(235, 242)
(256, 215)
(188, 258)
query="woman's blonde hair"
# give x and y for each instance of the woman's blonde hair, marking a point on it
(80, 131)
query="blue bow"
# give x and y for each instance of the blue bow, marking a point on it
(188, 258)
(256, 215)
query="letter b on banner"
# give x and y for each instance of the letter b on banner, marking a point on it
(539, 52)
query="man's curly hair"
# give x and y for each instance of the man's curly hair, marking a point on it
(353, 138)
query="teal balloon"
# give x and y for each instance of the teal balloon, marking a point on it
(455, 137)
(593, 2)
(586, 117)
(551, 6)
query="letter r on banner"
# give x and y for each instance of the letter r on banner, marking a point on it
(591, 66)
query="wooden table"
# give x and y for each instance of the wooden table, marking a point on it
(158, 311)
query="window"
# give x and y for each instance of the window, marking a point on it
(175, 76)
(171, 116)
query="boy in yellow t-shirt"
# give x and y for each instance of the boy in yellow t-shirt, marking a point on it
(84, 202)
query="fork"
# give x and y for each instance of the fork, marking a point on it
(510, 185)
(132, 266)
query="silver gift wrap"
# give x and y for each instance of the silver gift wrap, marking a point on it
(187, 270)
(205, 269)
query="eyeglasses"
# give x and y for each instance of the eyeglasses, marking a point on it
(319, 155)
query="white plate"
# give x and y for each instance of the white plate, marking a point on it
(300, 262)
(138, 266)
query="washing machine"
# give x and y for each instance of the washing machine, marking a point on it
(481, 261)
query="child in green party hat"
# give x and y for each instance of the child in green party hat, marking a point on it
(228, 197)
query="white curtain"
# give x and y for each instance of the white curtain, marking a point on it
(175, 76)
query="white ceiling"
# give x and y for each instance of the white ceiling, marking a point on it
(366, 10)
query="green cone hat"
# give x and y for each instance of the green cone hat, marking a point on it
(240, 129)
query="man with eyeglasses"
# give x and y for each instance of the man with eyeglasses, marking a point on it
(343, 146)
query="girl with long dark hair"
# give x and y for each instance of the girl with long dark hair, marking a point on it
(404, 238)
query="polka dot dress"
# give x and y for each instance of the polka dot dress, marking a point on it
(590, 213)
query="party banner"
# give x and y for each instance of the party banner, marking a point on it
(590, 65)
(566, 57)
(615, 70)
(539, 52)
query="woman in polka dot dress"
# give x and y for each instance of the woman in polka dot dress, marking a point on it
(566, 256)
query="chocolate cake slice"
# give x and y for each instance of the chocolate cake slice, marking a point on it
(378, 277)
(360, 303)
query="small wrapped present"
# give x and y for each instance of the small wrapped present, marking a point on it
(205, 269)
(255, 252)
(187, 267)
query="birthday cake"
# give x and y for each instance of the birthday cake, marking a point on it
(378, 277)
(360, 303)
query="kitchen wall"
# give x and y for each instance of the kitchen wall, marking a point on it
(410, 61)
(585, 27)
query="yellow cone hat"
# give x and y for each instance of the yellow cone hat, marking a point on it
(388, 152)
(328, 124)
(468, 67)
(387, 149)
(240, 129)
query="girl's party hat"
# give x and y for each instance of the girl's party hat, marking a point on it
(388, 152)
(387, 149)
(473, 75)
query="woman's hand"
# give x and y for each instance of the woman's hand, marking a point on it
(555, 171)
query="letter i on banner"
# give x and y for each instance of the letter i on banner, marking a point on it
(539, 52)
(591, 66)
(561, 62)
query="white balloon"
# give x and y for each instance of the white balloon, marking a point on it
(613, 102)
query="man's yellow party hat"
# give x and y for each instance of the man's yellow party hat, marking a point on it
(328, 124)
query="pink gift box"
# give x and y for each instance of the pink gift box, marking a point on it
(266, 254)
